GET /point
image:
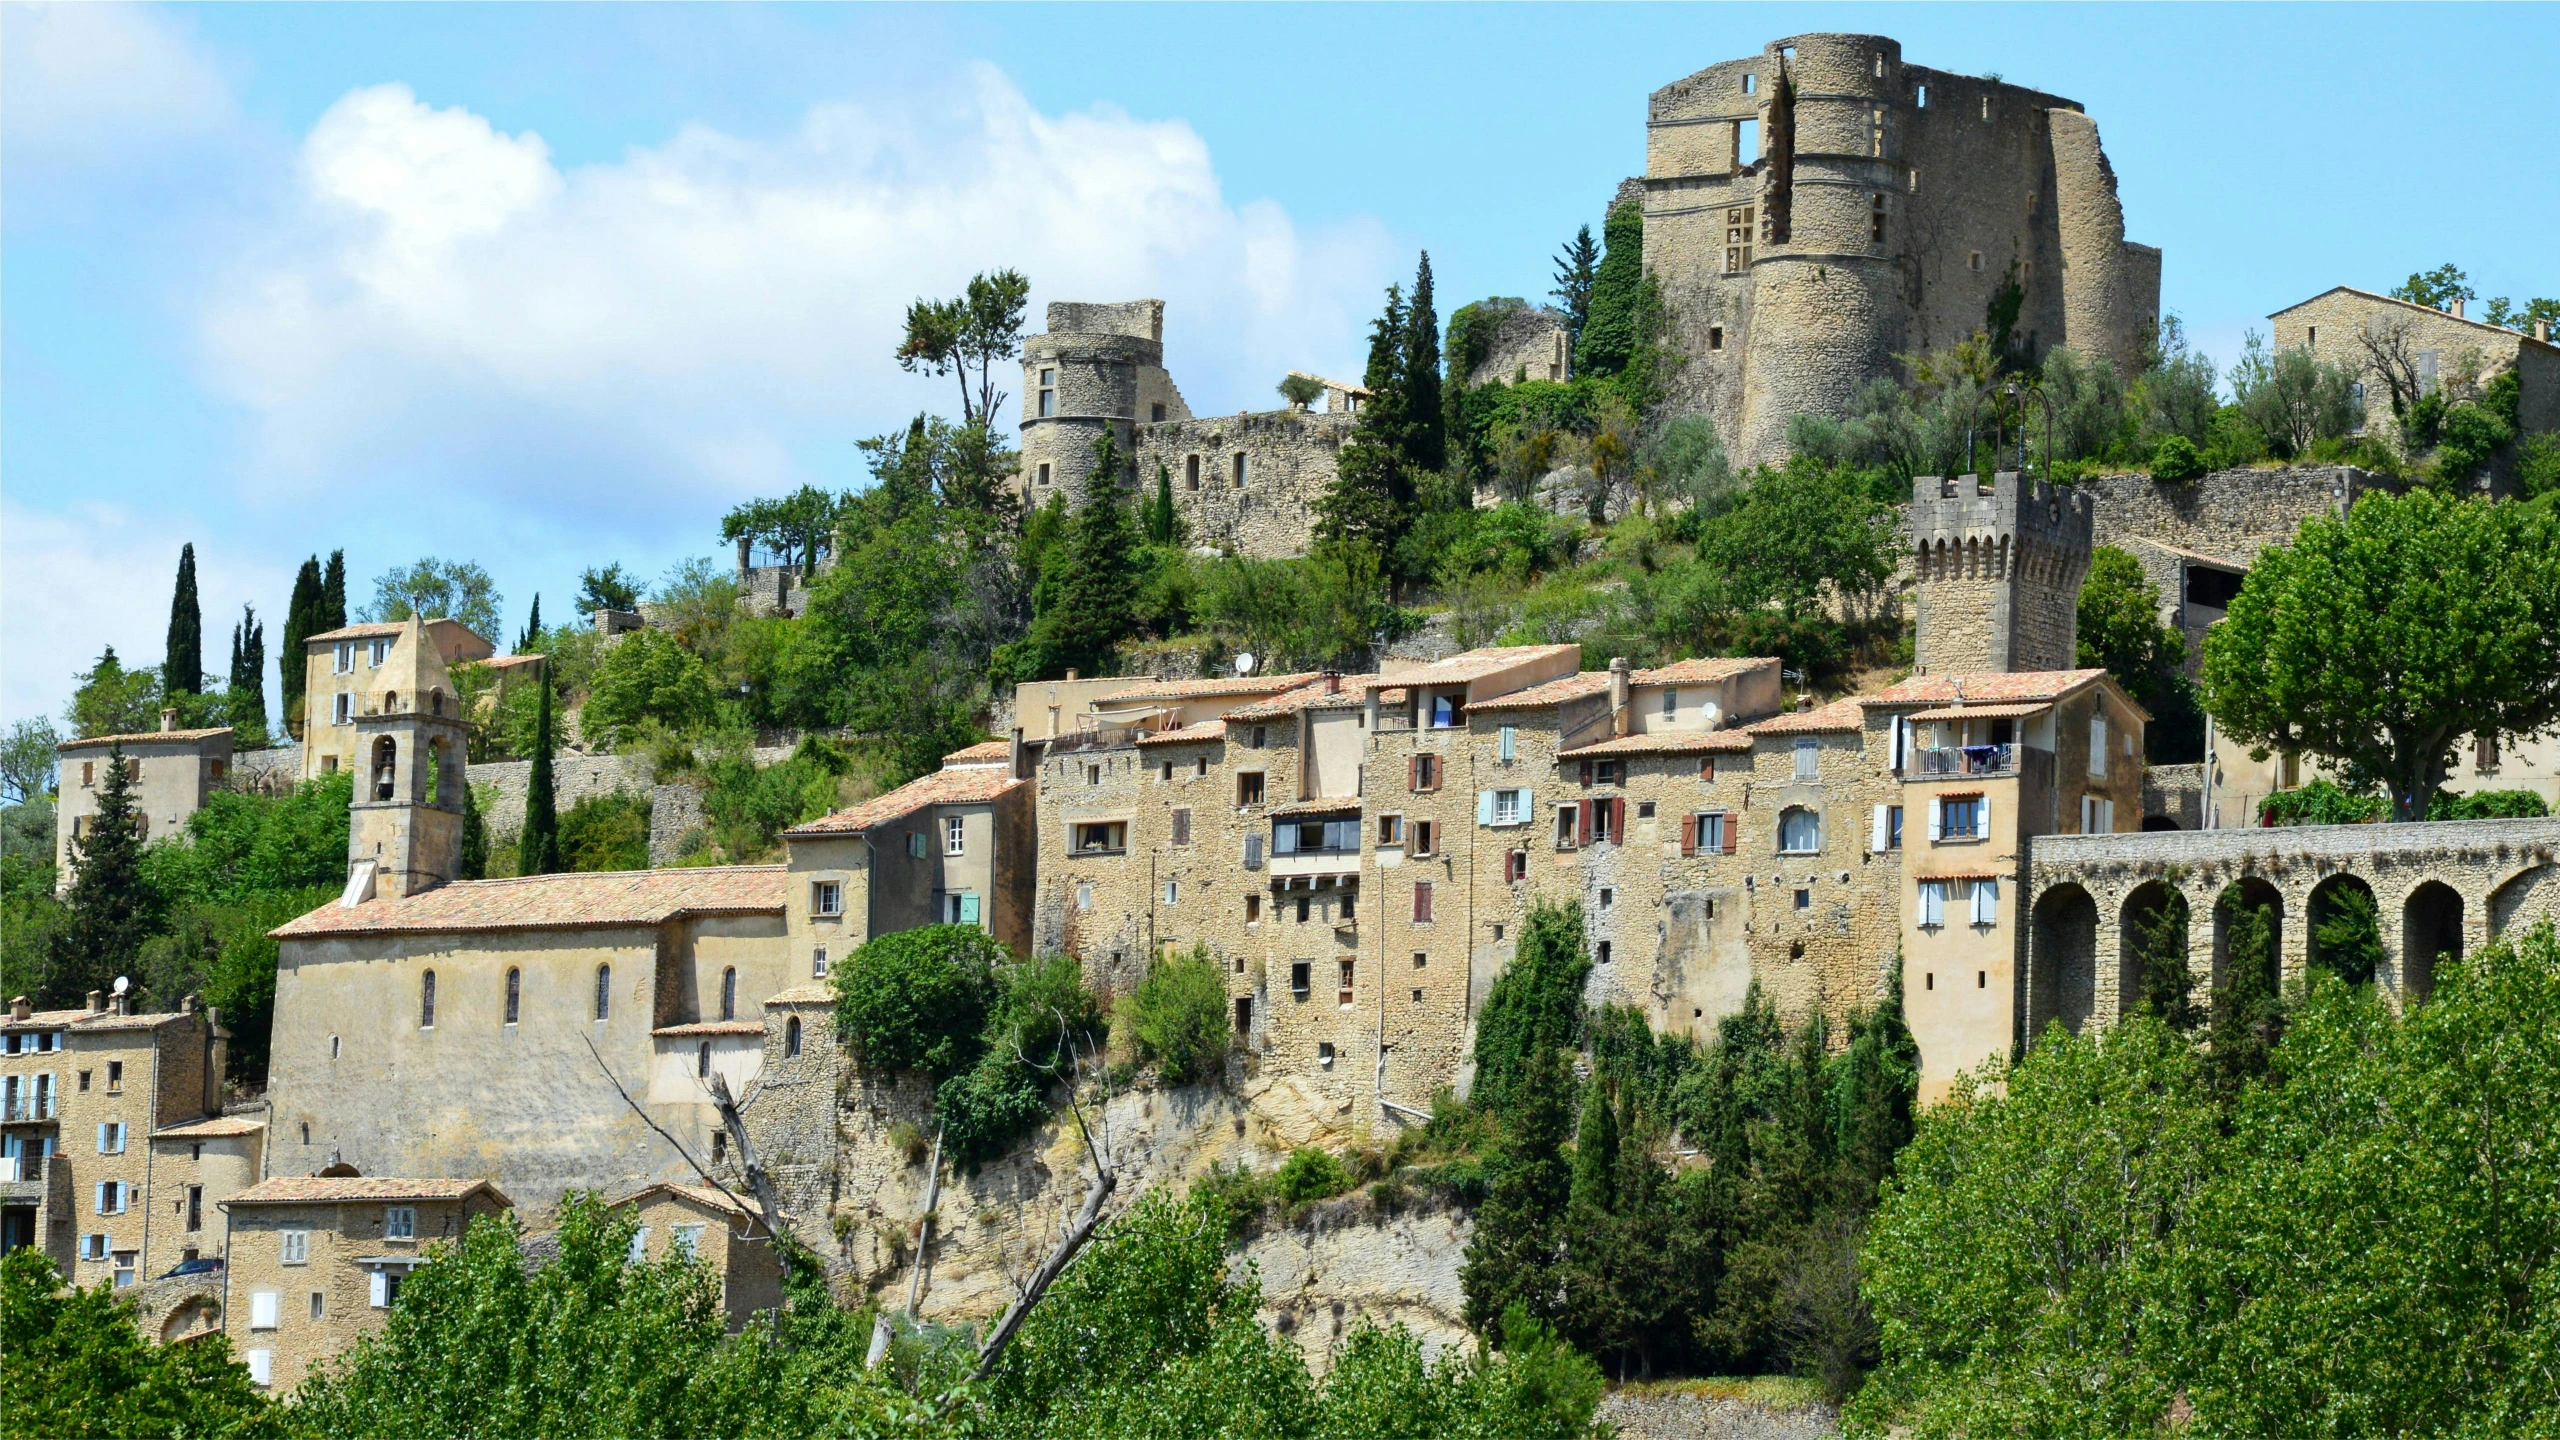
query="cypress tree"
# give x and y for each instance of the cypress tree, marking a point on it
(2168, 977)
(2246, 1019)
(1088, 610)
(1164, 523)
(1513, 1258)
(248, 672)
(301, 622)
(231, 677)
(1426, 441)
(475, 839)
(333, 593)
(182, 673)
(1577, 265)
(1609, 334)
(532, 634)
(538, 844)
(1595, 1152)
(1370, 500)
(108, 911)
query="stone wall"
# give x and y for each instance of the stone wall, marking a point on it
(675, 810)
(1528, 343)
(1288, 458)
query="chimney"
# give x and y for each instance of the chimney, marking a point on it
(2542, 331)
(1333, 682)
(1621, 709)
(97, 1002)
(1071, 672)
(187, 1005)
(2457, 307)
(20, 1008)
(1017, 766)
(168, 718)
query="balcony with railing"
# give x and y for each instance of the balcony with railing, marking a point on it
(27, 1109)
(1951, 760)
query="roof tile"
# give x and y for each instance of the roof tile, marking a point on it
(550, 902)
(1837, 716)
(1206, 730)
(212, 1128)
(323, 1189)
(1207, 689)
(140, 736)
(1986, 687)
(1667, 742)
(970, 785)
(1576, 686)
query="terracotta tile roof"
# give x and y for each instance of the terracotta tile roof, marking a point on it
(1555, 692)
(984, 752)
(361, 630)
(1836, 716)
(1335, 805)
(1668, 742)
(552, 902)
(702, 1195)
(1188, 735)
(1473, 664)
(816, 992)
(1984, 712)
(1209, 689)
(2499, 331)
(1704, 670)
(1989, 687)
(139, 737)
(711, 1027)
(1308, 696)
(942, 787)
(44, 1020)
(214, 1128)
(507, 662)
(323, 1189)
(110, 1020)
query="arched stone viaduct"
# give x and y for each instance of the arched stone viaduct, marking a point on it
(2438, 888)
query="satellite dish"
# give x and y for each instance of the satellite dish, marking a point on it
(1244, 663)
(122, 984)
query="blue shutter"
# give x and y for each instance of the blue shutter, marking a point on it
(1484, 807)
(969, 909)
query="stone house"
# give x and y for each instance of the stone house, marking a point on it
(2426, 346)
(700, 1223)
(114, 1137)
(318, 1260)
(340, 675)
(950, 848)
(171, 770)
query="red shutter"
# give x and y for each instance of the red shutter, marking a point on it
(1422, 901)
(1618, 820)
(1582, 822)
(1413, 772)
(1689, 834)
(1732, 831)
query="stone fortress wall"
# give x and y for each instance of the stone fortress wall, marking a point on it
(1883, 209)
(2001, 565)
(1529, 342)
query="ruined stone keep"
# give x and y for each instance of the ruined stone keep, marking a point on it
(1812, 211)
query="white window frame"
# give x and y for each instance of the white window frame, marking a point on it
(111, 1136)
(2098, 746)
(377, 651)
(826, 898)
(955, 835)
(688, 1240)
(1811, 814)
(1933, 904)
(293, 1247)
(400, 1222)
(1507, 806)
(1986, 903)
(344, 662)
(345, 711)
(818, 962)
(638, 1254)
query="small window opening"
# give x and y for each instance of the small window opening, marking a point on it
(515, 993)
(1715, 337)
(1746, 143)
(1875, 220)
(1920, 97)
(1191, 472)
(1750, 83)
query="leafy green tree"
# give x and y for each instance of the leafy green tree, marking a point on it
(1794, 531)
(301, 622)
(74, 1363)
(2380, 639)
(1178, 1015)
(606, 832)
(2379, 1253)
(183, 672)
(28, 761)
(607, 589)
(2247, 1017)
(437, 589)
(2022, 1262)
(1513, 1259)
(111, 700)
(2436, 289)
(2346, 936)
(1577, 270)
(918, 999)
(538, 843)
(110, 908)
(1611, 330)
(2176, 460)
(647, 678)
(1535, 1005)
(1310, 1173)
(2120, 631)
(1299, 390)
(2292, 398)
(800, 526)
(977, 329)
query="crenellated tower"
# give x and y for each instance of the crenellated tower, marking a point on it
(1998, 565)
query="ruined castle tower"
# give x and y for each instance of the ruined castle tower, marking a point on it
(1997, 567)
(406, 820)
(1096, 366)
(1817, 209)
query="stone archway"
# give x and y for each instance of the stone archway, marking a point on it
(2430, 932)
(2525, 899)
(2231, 925)
(2154, 928)
(2344, 929)
(2062, 961)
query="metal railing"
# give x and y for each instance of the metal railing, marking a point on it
(28, 1108)
(1966, 760)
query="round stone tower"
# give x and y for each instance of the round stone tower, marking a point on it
(1826, 297)
(1080, 376)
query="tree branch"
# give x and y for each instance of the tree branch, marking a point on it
(1105, 1180)
(880, 1328)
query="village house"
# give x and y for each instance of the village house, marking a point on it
(172, 771)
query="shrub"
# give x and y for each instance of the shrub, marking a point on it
(918, 999)
(606, 832)
(987, 1107)
(1178, 1015)
(1310, 1174)
(2487, 805)
(2322, 802)
(2175, 460)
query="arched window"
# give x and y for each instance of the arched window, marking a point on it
(1799, 831)
(729, 993)
(386, 765)
(702, 1061)
(791, 1037)
(515, 992)
(435, 701)
(604, 992)
(435, 772)
(427, 1001)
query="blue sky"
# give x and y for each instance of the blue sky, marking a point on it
(546, 286)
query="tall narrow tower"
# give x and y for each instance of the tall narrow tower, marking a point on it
(1089, 370)
(1998, 565)
(406, 820)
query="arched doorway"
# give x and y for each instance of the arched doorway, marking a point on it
(2430, 933)
(2346, 930)
(2062, 961)
(2526, 899)
(2152, 955)
(2248, 935)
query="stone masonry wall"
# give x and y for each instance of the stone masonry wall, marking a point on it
(1290, 458)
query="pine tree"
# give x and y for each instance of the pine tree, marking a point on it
(1513, 1257)
(1609, 334)
(538, 844)
(1370, 501)
(1577, 264)
(301, 622)
(109, 909)
(532, 634)
(183, 672)
(333, 593)
(1426, 438)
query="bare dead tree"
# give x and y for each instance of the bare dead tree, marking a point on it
(768, 1201)
(1088, 1217)
(880, 1327)
(2390, 358)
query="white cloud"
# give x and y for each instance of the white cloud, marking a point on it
(681, 325)
(90, 85)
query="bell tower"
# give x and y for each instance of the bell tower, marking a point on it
(404, 832)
